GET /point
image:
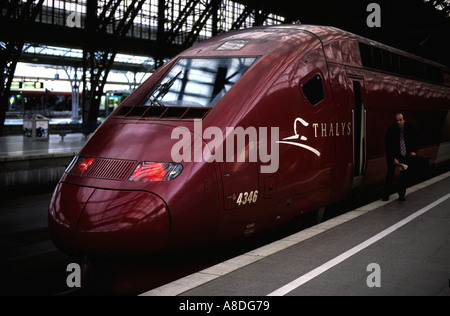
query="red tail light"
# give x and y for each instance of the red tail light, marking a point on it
(79, 165)
(147, 171)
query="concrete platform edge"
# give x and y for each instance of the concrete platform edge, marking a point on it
(37, 156)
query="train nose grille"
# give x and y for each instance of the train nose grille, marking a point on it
(111, 169)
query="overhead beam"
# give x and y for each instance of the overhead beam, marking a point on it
(98, 59)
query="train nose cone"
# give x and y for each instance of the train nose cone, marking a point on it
(99, 221)
(65, 209)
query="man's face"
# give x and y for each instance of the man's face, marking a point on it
(399, 120)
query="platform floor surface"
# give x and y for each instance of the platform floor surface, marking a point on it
(12, 146)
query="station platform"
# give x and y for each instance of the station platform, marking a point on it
(17, 145)
(388, 248)
(36, 162)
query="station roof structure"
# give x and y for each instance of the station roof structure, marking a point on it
(98, 35)
(421, 27)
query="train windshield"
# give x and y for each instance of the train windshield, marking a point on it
(198, 82)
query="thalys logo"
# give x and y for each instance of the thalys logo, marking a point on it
(290, 140)
(213, 145)
(320, 130)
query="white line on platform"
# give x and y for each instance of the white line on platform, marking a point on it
(333, 262)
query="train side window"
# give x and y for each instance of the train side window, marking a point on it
(313, 90)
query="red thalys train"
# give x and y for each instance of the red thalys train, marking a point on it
(313, 102)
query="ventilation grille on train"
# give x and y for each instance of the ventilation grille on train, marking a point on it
(111, 169)
(162, 112)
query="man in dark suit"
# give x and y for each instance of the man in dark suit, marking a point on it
(401, 143)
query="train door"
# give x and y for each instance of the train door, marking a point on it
(241, 215)
(359, 128)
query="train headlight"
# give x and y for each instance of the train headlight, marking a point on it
(148, 171)
(79, 165)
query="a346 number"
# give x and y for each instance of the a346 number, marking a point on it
(247, 198)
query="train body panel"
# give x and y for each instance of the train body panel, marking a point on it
(112, 177)
(116, 227)
(247, 130)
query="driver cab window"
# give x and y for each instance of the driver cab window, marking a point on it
(313, 89)
(198, 82)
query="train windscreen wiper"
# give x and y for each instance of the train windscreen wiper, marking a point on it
(162, 90)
